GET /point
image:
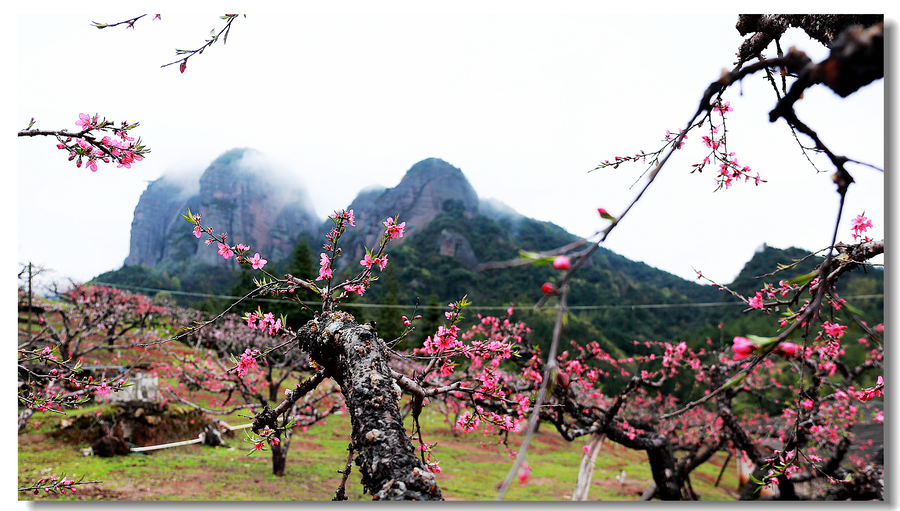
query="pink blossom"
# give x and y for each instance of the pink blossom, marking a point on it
(859, 225)
(872, 392)
(247, 362)
(786, 349)
(225, 251)
(392, 229)
(524, 473)
(757, 302)
(833, 329)
(742, 348)
(103, 389)
(198, 231)
(325, 272)
(84, 120)
(722, 108)
(357, 288)
(257, 262)
(446, 368)
(468, 422)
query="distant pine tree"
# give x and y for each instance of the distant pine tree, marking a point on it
(388, 321)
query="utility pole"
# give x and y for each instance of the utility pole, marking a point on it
(28, 313)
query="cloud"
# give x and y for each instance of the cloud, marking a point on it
(273, 170)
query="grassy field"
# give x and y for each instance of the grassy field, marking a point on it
(472, 466)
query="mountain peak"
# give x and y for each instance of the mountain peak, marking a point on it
(428, 188)
(430, 169)
(242, 192)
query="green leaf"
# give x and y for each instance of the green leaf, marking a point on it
(804, 279)
(853, 309)
(759, 341)
(543, 261)
(536, 258)
(762, 342)
(734, 382)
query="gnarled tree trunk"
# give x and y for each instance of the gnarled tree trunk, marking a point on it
(354, 356)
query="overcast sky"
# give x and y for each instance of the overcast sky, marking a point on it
(524, 102)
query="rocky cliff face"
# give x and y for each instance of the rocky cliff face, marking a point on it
(236, 197)
(152, 221)
(428, 188)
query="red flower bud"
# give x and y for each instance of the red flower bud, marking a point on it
(561, 263)
(563, 380)
(786, 349)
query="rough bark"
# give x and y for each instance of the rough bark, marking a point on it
(659, 454)
(821, 27)
(356, 358)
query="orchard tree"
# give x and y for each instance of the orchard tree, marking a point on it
(355, 358)
(85, 320)
(823, 410)
(250, 384)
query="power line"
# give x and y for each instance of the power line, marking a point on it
(479, 307)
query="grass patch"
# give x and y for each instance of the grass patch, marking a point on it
(472, 467)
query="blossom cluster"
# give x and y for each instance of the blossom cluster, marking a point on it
(361, 282)
(859, 225)
(224, 249)
(265, 322)
(53, 485)
(744, 347)
(873, 392)
(729, 169)
(392, 229)
(268, 435)
(85, 148)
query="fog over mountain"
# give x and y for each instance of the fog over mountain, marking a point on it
(241, 193)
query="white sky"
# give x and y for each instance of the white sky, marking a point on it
(524, 101)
